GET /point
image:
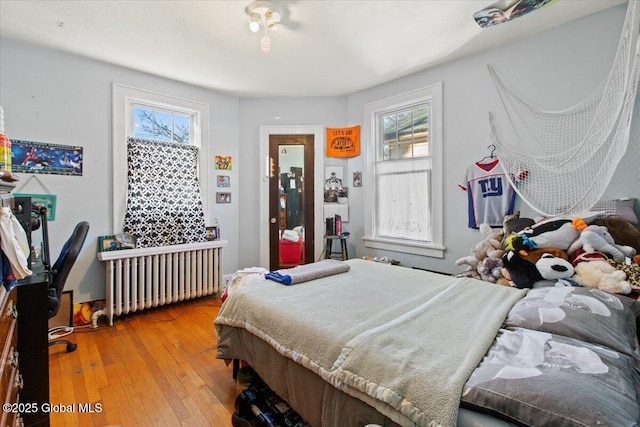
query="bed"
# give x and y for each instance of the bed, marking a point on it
(389, 345)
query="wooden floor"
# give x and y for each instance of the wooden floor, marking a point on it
(154, 368)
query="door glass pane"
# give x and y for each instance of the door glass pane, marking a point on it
(291, 206)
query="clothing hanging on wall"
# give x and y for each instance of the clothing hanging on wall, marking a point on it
(164, 206)
(489, 195)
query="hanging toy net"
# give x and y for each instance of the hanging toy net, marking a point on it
(560, 162)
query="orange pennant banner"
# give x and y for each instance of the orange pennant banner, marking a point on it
(343, 142)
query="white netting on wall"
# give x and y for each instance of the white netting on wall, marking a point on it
(560, 162)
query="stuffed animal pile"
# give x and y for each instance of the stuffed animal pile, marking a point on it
(558, 252)
(486, 256)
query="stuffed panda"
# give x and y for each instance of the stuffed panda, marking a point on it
(549, 270)
(555, 271)
(523, 273)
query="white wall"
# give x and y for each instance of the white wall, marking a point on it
(554, 69)
(58, 98)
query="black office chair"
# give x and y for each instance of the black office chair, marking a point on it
(58, 274)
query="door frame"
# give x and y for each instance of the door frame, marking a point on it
(318, 184)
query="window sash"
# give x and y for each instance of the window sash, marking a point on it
(399, 139)
(172, 111)
(403, 199)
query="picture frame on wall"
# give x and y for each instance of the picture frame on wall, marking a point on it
(223, 181)
(47, 201)
(223, 197)
(223, 162)
(333, 177)
(357, 179)
(45, 158)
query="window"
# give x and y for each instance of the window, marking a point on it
(404, 172)
(163, 125)
(405, 133)
(144, 114)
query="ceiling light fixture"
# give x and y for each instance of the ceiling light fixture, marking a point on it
(254, 22)
(261, 12)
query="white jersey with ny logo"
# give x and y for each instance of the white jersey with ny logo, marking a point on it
(489, 195)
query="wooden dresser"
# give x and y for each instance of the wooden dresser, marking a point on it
(10, 377)
(24, 361)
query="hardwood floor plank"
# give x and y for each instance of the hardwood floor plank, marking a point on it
(152, 368)
(196, 417)
(97, 364)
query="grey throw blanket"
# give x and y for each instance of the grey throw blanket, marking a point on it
(306, 272)
(402, 340)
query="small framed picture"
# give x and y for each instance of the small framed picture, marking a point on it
(223, 197)
(211, 233)
(224, 181)
(108, 243)
(126, 240)
(357, 179)
(223, 162)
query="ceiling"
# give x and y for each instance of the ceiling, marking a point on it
(322, 48)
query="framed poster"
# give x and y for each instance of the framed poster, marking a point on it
(47, 201)
(42, 157)
(333, 176)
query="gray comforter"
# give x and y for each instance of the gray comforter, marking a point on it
(402, 340)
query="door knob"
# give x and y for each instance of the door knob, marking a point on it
(272, 220)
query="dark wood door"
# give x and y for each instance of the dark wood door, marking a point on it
(291, 204)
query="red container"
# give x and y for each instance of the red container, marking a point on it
(290, 251)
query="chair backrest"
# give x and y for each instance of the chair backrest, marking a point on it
(61, 268)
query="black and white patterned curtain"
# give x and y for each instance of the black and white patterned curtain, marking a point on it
(164, 206)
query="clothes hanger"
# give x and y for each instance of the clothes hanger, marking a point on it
(491, 156)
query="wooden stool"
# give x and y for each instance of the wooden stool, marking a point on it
(342, 254)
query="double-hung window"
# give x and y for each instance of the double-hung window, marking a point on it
(138, 113)
(404, 173)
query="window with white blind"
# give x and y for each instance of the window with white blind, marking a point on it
(404, 173)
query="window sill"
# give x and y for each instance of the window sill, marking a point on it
(405, 246)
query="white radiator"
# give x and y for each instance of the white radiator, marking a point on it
(137, 279)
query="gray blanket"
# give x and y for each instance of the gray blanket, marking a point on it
(404, 341)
